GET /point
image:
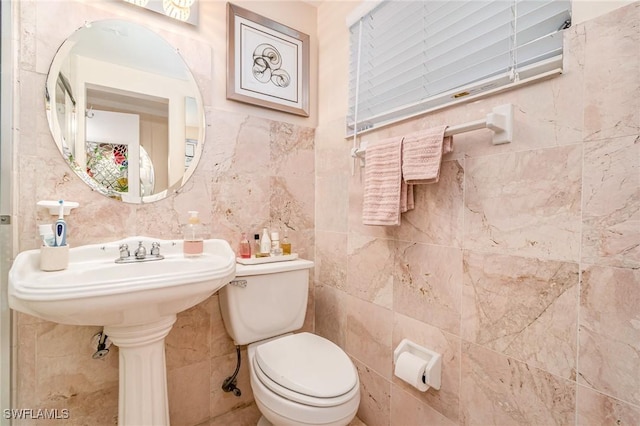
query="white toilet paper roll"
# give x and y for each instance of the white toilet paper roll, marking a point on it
(411, 369)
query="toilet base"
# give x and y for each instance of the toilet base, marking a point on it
(271, 418)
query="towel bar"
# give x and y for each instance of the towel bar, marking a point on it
(500, 120)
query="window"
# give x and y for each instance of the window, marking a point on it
(409, 57)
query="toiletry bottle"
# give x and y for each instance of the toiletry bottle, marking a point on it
(265, 243)
(193, 243)
(275, 244)
(256, 245)
(245, 248)
(285, 244)
(60, 228)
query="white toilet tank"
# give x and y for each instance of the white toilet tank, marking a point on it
(273, 302)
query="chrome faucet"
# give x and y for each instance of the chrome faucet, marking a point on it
(140, 254)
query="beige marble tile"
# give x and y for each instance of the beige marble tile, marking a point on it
(444, 401)
(99, 407)
(524, 308)
(222, 367)
(369, 332)
(309, 324)
(370, 269)
(65, 368)
(331, 314)
(525, 203)
(35, 137)
(331, 259)
(291, 150)
(188, 342)
(407, 410)
(428, 284)
(252, 147)
(498, 390)
(612, 74)
(25, 365)
(245, 415)
(293, 208)
(356, 422)
(611, 202)
(375, 397)
(188, 389)
(609, 339)
(437, 216)
(332, 206)
(221, 138)
(332, 150)
(240, 203)
(221, 343)
(597, 409)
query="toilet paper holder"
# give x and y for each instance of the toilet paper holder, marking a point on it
(433, 371)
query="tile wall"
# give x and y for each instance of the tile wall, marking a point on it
(254, 172)
(521, 266)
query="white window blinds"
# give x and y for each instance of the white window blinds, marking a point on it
(408, 57)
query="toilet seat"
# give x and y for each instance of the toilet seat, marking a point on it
(306, 368)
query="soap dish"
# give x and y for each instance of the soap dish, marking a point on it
(268, 259)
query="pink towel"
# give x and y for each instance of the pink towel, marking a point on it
(384, 190)
(422, 155)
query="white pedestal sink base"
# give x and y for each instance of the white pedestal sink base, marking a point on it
(142, 392)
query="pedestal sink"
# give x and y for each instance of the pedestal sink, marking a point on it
(135, 302)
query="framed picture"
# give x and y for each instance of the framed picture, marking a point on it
(267, 62)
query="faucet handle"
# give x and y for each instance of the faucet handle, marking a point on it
(124, 251)
(140, 252)
(155, 248)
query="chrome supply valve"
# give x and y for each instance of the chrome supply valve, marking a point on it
(140, 252)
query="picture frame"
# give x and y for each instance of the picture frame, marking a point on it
(267, 62)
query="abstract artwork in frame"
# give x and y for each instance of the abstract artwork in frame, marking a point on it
(267, 62)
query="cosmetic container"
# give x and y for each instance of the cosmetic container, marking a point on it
(265, 243)
(285, 244)
(244, 249)
(276, 250)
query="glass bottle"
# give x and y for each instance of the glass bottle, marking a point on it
(244, 250)
(256, 245)
(265, 243)
(285, 244)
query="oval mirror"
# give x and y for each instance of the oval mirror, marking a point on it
(125, 111)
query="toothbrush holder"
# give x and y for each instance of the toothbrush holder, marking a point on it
(54, 258)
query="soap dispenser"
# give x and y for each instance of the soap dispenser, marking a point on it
(193, 243)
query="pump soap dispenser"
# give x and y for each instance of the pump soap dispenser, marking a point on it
(193, 243)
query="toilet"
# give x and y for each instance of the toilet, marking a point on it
(296, 378)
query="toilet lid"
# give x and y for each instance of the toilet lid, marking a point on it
(307, 364)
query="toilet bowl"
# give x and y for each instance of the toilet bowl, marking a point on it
(297, 379)
(303, 379)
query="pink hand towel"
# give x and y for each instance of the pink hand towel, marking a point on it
(384, 190)
(422, 155)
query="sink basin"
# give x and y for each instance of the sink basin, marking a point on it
(135, 302)
(94, 290)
